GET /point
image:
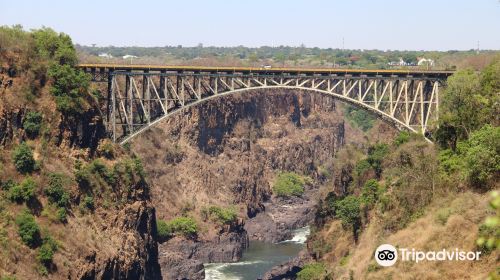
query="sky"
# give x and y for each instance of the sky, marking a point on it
(352, 24)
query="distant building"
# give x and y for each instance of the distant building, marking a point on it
(401, 62)
(425, 61)
(128, 56)
(105, 55)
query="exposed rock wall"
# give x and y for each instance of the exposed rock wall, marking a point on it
(228, 150)
(136, 258)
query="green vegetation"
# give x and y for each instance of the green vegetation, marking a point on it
(370, 192)
(376, 154)
(70, 89)
(289, 56)
(348, 211)
(403, 137)
(359, 117)
(88, 202)
(32, 123)
(58, 195)
(471, 100)
(47, 250)
(23, 158)
(107, 149)
(288, 184)
(56, 191)
(28, 228)
(23, 192)
(312, 271)
(163, 229)
(185, 226)
(489, 231)
(222, 216)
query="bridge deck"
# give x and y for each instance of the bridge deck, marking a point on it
(262, 70)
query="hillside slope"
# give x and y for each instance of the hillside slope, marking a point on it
(72, 205)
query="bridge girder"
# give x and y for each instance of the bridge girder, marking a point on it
(138, 100)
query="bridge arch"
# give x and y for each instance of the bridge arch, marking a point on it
(382, 115)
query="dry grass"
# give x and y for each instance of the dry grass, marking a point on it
(460, 230)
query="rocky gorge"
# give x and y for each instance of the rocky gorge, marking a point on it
(228, 152)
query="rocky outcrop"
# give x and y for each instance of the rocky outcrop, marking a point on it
(288, 270)
(182, 258)
(10, 122)
(281, 217)
(136, 258)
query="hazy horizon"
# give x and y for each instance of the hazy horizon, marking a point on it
(361, 25)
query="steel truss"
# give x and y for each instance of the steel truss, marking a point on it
(138, 100)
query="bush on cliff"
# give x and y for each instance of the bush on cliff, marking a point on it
(28, 228)
(348, 211)
(23, 192)
(23, 158)
(288, 184)
(32, 123)
(312, 271)
(220, 215)
(185, 226)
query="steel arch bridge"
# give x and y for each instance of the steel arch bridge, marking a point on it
(139, 96)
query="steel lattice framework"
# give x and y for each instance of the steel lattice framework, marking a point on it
(139, 98)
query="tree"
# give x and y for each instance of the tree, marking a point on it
(70, 89)
(32, 123)
(464, 106)
(23, 158)
(28, 229)
(24, 191)
(481, 155)
(347, 210)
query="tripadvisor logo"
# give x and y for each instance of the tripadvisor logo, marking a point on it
(387, 255)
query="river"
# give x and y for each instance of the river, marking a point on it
(258, 258)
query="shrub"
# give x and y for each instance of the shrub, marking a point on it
(55, 190)
(24, 191)
(23, 158)
(222, 215)
(347, 210)
(88, 202)
(185, 226)
(62, 214)
(361, 167)
(403, 137)
(45, 254)
(360, 117)
(489, 231)
(7, 185)
(376, 154)
(32, 123)
(370, 192)
(288, 184)
(47, 250)
(482, 155)
(28, 229)
(107, 149)
(312, 271)
(162, 229)
(326, 208)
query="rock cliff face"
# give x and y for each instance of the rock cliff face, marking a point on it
(229, 149)
(137, 256)
(227, 152)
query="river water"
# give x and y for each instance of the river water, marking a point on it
(258, 258)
